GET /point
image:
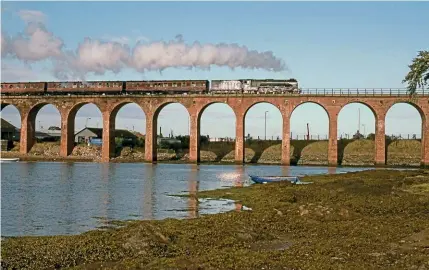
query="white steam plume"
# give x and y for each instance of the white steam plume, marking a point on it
(94, 56)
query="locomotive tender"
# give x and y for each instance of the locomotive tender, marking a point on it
(185, 87)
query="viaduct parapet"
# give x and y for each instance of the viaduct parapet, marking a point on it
(109, 105)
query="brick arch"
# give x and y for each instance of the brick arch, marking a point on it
(416, 106)
(35, 108)
(5, 104)
(28, 125)
(368, 105)
(118, 106)
(295, 106)
(68, 125)
(77, 106)
(423, 143)
(206, 105)
(161, 106)
(195, 113)
(262, 101)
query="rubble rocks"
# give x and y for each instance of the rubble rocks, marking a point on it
(84, 151)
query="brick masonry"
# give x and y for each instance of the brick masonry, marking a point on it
(28, 106)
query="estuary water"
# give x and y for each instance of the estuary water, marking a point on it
(53, 198)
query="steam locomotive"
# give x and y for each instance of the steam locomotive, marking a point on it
(241, 86)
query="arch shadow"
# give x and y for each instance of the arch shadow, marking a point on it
(220, 149)
(298, 146)
(259, 147)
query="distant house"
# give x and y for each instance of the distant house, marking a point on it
(53, 133)
(95, 135)
(8, 131)
(43, 136)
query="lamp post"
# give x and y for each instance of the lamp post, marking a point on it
(86, 122)
(359, 120)
(266, 125)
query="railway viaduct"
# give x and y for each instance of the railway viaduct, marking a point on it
(109, 105)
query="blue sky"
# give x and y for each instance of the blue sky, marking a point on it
(324, 44)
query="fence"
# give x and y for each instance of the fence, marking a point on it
(361, 92)
(318, 137)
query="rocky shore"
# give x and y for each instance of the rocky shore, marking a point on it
(365, 220)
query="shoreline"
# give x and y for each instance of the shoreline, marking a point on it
(37, 158)
(354, 220)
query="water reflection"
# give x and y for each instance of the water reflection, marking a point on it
(66, 191)
(285, 170)
(148, 192)
(193, 185)
(239, 182)
(50, 198)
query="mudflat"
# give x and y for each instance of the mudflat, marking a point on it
(365, 220)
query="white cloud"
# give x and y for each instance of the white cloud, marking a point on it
(99, 57)
(32, 16)
(36, 43)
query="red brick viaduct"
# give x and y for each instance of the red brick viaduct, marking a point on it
(109, 105)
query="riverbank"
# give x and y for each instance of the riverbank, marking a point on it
(402, 153)
(364, 220)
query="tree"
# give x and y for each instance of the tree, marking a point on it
(418, 75)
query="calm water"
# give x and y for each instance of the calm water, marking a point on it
(50, 198)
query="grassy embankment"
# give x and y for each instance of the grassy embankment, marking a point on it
(365, 220)
(354, 153)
